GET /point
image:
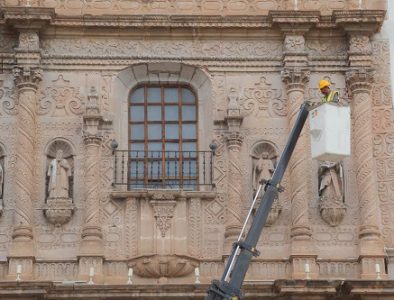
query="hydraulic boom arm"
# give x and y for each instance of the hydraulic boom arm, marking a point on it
(229, 287)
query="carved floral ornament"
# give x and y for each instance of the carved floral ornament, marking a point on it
(360, 44)
(294, 43)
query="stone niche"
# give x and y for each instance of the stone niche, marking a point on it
(59, 181)
(264, 159)
(165, 229)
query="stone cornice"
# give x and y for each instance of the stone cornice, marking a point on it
(295, 20)
(27, 17)
(365, 21)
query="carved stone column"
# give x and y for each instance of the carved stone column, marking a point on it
(302, 249)
(234, 143)
(26, 83)
(371, 244)
(92, 238)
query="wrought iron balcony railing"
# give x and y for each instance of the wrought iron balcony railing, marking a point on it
(188, 170)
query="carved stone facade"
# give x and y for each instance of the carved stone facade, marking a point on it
(68, 70)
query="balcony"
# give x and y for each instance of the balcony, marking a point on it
(185, 170)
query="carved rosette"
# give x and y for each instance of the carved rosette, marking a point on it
(163, 211)
(296, 80)
(157, 266)
(58, 211)
(360, 84)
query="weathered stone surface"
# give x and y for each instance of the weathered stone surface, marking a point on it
(68, 70)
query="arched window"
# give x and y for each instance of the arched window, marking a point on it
(163, 137)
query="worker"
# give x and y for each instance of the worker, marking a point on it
(328, 95)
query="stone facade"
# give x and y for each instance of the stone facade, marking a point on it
(67, 70)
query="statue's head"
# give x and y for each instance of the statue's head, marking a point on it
(59, 154)
(264, 155)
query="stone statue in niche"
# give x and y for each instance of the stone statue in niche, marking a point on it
(262, 170)
(264, 156)
(332, 207)
(59, 172)
(59, 204)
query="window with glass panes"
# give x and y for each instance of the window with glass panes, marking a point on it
(163, 137)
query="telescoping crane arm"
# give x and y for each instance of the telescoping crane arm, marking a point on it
(229, 286)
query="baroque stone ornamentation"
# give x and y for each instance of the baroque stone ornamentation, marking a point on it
(27, 77)
(61, 99)
(59, 205)
(157, 266)
(263, 99)
(264, 157)
(360, 44)
(163, 213)
(294, 43)
(295, 78)
(29, 41)
(331, 186)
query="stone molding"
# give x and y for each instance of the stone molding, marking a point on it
(40, 16)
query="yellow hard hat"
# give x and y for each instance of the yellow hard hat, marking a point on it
(323, 83)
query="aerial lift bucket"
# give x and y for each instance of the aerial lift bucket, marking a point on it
(330, 132)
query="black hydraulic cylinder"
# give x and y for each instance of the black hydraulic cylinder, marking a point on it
(231, 288)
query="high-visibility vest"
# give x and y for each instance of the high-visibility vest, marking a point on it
(331, 97)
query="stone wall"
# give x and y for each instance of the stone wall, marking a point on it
(66, 80)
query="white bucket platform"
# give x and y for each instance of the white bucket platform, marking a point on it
(330, 132)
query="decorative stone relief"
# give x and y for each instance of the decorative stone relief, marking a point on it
(28, 40)
(318, 47)
(331, 186)
(9, 99)
(74, 7)
(157, 266)
(294, 43)
(60, 99)
(211, 49)
(360, 44)
(263, 99)
(163, 213)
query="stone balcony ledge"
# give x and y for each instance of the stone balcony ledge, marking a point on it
(261, 290)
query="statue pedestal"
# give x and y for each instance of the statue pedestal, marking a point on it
(58, 211)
